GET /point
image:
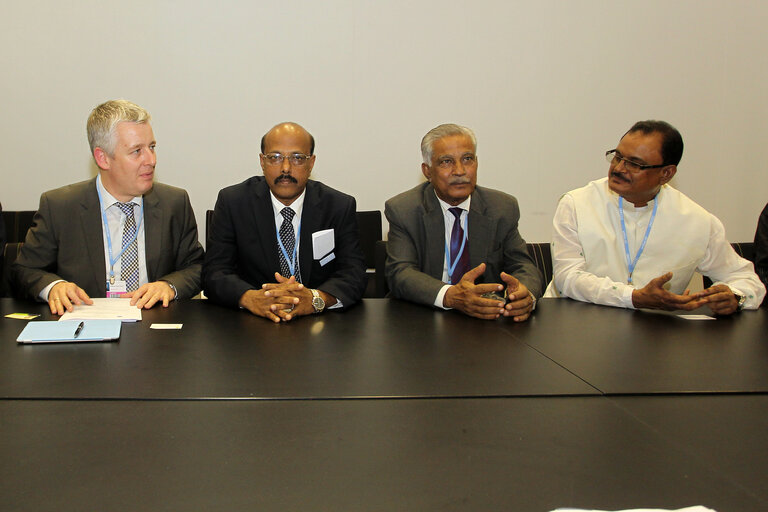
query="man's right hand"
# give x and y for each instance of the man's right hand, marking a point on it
(466, 296)
(63, 295)
(274, 301)
(654, 296)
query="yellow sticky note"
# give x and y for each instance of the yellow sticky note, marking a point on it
(21, 316)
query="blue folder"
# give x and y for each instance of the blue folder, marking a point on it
(64, 331)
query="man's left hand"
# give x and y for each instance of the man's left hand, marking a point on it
(150, 294)
(520, 305)
(720, 299)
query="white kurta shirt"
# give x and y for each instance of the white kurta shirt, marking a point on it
(589, 261)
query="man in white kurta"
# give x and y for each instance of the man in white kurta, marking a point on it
(592, 261)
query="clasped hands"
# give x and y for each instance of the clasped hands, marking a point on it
(281, 301)
(719, 298)
(65, 295)
(467, 297)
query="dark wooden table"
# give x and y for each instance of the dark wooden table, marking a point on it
(389, 406)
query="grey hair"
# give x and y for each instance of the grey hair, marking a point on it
(437, 133)
(104, 119)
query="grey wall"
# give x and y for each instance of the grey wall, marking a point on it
(548, 86)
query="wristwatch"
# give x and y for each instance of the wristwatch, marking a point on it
(175, 291)
(317, 301)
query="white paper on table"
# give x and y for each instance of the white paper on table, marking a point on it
(105, 309)
(323, 242)
(696, 317)
(697, 508)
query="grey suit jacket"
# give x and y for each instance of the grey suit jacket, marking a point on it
(416, 246)
(66, 241)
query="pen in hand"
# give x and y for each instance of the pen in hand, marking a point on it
(79, 329)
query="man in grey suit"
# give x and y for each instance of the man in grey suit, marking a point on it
(119, 234)
(448, 233)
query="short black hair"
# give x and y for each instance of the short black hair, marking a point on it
(671, 140)
(311, 143)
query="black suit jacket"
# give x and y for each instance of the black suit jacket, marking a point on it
(416, 242)
(66, 241)
(243, 253)
(761, 249)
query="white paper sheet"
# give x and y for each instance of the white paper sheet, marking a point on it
(697, 508)
(105, 309)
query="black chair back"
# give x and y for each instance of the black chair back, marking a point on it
(369, 223)
(17, 224)
(10, 253)
(542, 257)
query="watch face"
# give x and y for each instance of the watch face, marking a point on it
(318, 303)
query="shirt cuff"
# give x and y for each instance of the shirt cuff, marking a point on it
(47, 290)
(440, 296)
(626, 298)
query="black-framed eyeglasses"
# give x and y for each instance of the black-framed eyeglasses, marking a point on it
(297, 159)
(614, 157)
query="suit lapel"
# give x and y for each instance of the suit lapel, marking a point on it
(153, 240)
(434, 228)
(480, 227)
(93, 235)
(312, 218)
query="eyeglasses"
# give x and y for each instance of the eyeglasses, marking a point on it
(296, 159)
(448, 162)
(614, 157)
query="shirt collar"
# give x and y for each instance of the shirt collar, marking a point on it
(464, 205)
(296, 205)
(108, 199)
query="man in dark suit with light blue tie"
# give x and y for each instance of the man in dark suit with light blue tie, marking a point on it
(455, 245)
(282, 245)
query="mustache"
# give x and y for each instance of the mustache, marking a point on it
(458, 180)
(618, 176)
(286, 177)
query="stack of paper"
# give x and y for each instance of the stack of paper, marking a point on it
(103, 309)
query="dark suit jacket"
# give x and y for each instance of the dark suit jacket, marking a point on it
(761, 249)
(66, 241)
(416, 242)
(243, 252)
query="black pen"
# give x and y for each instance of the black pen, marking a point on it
(79, 328)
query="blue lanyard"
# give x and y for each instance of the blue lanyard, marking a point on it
(631, 264)
(112, 260)
(452, 266)
(292, 260)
